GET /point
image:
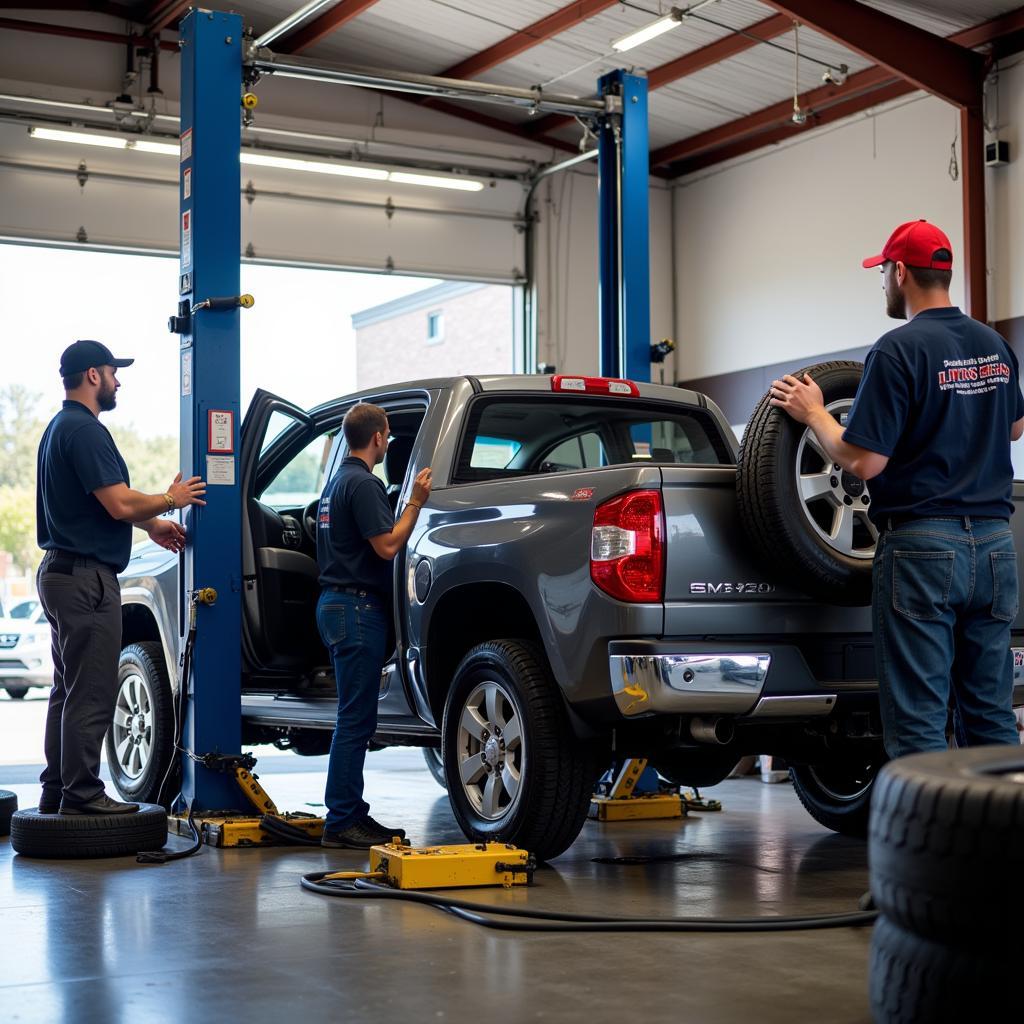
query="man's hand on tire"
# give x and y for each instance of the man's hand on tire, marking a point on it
(803, 400)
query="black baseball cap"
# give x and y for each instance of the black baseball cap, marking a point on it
(84, 355)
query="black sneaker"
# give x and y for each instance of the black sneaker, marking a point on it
(359, 836)
(101, 804)
(49, 804)
(383, 830)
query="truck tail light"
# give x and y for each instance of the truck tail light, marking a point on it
(627, 547)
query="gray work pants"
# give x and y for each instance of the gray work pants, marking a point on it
(82, 601)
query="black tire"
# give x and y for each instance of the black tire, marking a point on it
(435, 764)
(557, 772)
(146, 661)
(310, 742)
(88, 835)
(16, 692)
(917, 981)
(947, 845)
(837, 794)
(8, 805)
(771, 508)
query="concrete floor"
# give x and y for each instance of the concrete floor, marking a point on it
(230, 936)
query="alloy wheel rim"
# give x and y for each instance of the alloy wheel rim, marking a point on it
(491, 750)
(835, 503)
(133, 725)
(861, 779)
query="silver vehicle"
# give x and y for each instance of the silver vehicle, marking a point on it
(25, 658)
(579, 587)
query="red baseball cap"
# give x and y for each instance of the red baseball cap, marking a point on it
(917, 244)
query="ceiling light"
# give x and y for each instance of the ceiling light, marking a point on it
(318, 166)
(83, 138)
(659, 26)
(145, 146)
(436, 181)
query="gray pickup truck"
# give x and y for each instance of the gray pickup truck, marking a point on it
(585, 584)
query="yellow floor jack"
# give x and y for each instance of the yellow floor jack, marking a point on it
(621, 801)
(266, 827)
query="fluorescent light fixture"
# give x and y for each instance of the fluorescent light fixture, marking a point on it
(146, 146)
(82, 138)
(318, 166)
(436, 181)
(287, 163)
(650, 31)
(659, 26)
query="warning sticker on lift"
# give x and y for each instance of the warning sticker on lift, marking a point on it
(220, 470)
(186, 372)
(220, 434)
(186, 183)
(186, 239)
(186, 145)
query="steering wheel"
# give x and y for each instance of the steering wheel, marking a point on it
(309, 519)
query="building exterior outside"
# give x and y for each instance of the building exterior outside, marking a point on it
(449, 329)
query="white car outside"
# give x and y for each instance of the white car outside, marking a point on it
(25, 658)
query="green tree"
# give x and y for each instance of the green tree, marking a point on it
(21, 425)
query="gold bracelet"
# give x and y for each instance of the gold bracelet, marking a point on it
(415, 505)
(171, 503)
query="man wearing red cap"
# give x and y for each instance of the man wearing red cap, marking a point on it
(931, 426)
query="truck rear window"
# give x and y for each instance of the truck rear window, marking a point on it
(520, 436)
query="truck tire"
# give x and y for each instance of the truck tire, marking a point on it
(88, 835)
(16, 692)
(140, 741)
(8, 805)
(807, 518)
(918, 981)
(435, 764)
(517, 772)
(947, 845)
(837, 794)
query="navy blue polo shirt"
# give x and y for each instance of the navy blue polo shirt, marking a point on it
(939, 396)
(353, 508)
(77, 456)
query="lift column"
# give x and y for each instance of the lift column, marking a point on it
(624, 263)
(210, 227)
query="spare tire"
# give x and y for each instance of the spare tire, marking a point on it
(88, 835)
(8, 805)
(807, 518)
(946, 846)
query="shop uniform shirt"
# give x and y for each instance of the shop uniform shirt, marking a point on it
(353, 508)
(77, 456)
(939, 396)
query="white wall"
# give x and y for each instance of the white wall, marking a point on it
(1005, 197)
(768, 250)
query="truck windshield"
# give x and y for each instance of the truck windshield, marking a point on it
(509, 437)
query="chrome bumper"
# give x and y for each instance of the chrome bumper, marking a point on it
(648, 684)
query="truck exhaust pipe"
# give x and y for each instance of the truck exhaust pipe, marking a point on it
(718, 731)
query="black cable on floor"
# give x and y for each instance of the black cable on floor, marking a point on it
(498, 917)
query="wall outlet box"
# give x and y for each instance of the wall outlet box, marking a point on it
(997, 153)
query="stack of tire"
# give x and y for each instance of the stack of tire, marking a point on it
(947, 874)
(8, 805)
(88, 835)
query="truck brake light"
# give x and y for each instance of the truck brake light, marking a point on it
(627, 547)
(594, 386)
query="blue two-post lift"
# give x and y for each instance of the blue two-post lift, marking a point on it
(215, 59)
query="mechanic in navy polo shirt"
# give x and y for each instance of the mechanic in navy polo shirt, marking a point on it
(930, 427)
(84, 514)
(356, 539)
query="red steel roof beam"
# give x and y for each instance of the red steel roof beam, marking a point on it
(690, 63)
(162, 14)
(312, 32)
(47, 29)
(939, 66)
(525, 39)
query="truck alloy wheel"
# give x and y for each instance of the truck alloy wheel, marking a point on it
(516, 772)
(140, 740)
(807, 518)
(837, 794)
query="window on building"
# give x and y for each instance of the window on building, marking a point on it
(435, 327)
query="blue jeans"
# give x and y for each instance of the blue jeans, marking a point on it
(354, 629)
(945, 594)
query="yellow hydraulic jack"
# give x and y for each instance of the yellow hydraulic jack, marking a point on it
(622, 804)
(268, 827)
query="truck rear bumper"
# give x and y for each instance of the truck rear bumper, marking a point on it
(650, 677)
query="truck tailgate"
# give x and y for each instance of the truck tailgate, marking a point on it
(714, 582)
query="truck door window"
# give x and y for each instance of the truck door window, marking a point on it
(302, 479)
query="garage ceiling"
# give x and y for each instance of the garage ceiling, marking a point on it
(722, 82)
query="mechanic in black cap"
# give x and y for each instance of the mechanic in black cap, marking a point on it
(84, 514)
